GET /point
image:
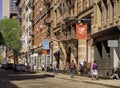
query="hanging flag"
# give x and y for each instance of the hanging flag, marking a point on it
(81, 31)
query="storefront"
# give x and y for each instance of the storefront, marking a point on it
(107, 50)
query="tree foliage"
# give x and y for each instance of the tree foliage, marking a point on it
(1, 59)
(10, 30)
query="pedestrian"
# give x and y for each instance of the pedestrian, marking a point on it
(95, 71)
(55, 69)
(115, 74)
(51, 66)
(32, 67)
(80, 70)
(43, 67)
(28, 67)
(72, 68)
(47, 66)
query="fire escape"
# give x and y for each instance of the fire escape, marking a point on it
(68, 29)
(67, 32)
(47, 20)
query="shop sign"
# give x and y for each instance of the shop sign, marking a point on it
(45, 44)
(112, 43)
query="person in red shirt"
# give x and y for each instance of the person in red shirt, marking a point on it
(72, 69)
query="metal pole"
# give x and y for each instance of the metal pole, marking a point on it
(27, 46)
(45, 63)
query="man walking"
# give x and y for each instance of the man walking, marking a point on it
(95, 70)
(72, 69)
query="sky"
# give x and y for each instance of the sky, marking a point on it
(0, 9)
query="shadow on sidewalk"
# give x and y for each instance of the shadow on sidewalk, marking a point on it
(7, 76)
(7, 84)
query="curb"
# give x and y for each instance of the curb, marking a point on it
(88, 81)
(81, 79)
(71, 79)
(92, 82)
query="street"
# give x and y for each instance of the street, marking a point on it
(9, 79)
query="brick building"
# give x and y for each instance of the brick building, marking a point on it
(56, 20)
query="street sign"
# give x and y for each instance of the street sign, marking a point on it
(112, 43)
(45, 44)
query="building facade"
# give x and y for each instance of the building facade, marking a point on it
(57, 20)
(22, 20)
(13, 8)
(105, 35)
(25, 17)
(41, 30)
(5, 10)
(9, 9)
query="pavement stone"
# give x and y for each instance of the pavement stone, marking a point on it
(114, 83)
(109, 83)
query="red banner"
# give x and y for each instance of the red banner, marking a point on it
(81, 31)
(44, 51)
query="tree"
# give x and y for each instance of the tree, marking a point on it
(1, 59)
(10, 30)
(1, 39)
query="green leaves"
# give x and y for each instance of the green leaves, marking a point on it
(1, 59)
(8, 24)
(10, 30)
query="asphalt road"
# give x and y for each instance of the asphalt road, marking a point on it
(9, 79)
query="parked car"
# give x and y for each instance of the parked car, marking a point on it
(20, 67)
(9, 66)
(3, 66)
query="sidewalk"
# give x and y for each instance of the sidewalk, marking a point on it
(114, 83)
(111, 83)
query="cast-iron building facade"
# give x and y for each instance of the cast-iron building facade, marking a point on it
(102, 18)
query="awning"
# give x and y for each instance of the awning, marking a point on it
(105, 32)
